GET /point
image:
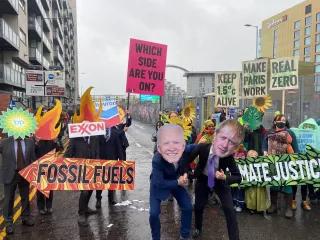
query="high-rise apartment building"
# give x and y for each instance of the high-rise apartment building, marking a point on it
(42, 35)
(296, 32)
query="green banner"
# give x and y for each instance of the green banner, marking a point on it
(281, 170)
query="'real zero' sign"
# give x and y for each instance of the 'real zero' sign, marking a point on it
(284, 73)
(146, 67)
(227, 89)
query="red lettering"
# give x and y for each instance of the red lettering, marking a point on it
(101, 126)
(92, 127)
(73, 128)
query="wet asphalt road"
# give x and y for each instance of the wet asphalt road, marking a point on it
(131, 221)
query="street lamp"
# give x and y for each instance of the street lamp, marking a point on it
(257, 36)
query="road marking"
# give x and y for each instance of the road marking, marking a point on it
(139, 126)
(138, 145)
(18, 212)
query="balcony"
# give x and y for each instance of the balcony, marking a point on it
(56, 5)
(57, 39)
(58, 56)
(57, 21)
(9, 40)
(46, 64)
(37, 7)
(46, 43)
(9, 7)
(34, 27)
(35, 56)
(12, 77)
(46, 4)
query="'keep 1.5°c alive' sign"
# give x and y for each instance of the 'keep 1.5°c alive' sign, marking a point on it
(146, 67)
(227, 89)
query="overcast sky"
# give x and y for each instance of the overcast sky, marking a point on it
(202, 35)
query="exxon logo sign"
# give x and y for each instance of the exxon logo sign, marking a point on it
(86, 129)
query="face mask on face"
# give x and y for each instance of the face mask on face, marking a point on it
(280, 124)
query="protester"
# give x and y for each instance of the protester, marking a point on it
(166, 178)
(42, 147)
(214, 159)
(84, 147)
(110, 149)
(16, 155)
(280, 140)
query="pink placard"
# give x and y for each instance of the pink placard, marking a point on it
(146, 67)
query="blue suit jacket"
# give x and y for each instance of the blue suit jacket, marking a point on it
(164, 176)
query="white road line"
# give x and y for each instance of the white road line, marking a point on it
(139, 126)
(138, 145)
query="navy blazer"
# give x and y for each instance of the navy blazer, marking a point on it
(164, 177)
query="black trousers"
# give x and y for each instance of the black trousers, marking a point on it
(9, 194)
(84, 201)
(224, 193)
(43, 202)
(110, 194)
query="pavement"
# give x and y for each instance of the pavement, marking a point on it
(129, 220)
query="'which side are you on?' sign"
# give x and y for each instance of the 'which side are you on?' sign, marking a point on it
(146, 67)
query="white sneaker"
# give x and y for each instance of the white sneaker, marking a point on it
(238, 209)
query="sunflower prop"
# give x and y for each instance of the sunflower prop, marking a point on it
(252, 117)
(185, 126)
(262, 103)
(188, 113)
(122, 113)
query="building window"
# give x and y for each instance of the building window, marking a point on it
(308, 21)
(317, 38)
(318, 48)
(317, 68)
(317, 58)
(307, 31)
(297, 25)
(275, 43)
(22, 4)
(296, 52)
(318, 17)
(317, 82)
(296, 44)
(307, 59)
(23, 36)
(307, 41)
(297, 34)
(318, 27)
(307, 51)
(308, 9)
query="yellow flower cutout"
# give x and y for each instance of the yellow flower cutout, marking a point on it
(185, 126)
(262, 103)
(188, 113)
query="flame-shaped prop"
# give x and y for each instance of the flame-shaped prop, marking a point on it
(87, 109)
(47, 123)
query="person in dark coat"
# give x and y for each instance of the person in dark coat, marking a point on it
(169, 176)
(42, 147)
(110, 149)
(84, 147)
(216, 171)
(16, 155)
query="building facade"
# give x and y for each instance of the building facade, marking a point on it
(296, 32)
(42, 35)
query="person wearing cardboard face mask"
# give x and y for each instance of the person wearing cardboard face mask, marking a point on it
(169, 176)
(211, 174)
